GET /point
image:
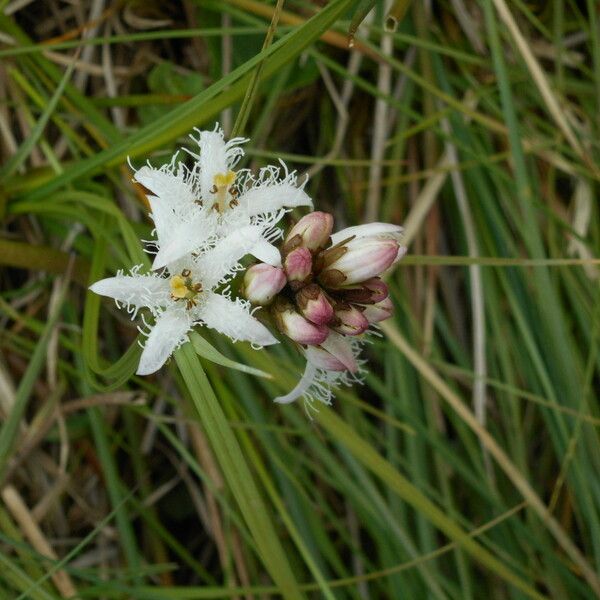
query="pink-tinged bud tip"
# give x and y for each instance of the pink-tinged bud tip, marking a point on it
(349, 320)
(312, 231)
(365, 258)
(296, 327)
(298, 265)
(262, 282)
(379, 312)
(314, 305)
(323, 359)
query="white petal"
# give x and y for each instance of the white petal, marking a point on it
(166, 185)
(401, 252)
(134, 290)
(233, 319)
(163, 215)
(323, 360)
(341, 348)
(370, 229)
(302, 386)
(216, 156)
(168, 332)
(267, 198)
(213, 159)
(267, 253)
(221, 260)
(181, 239)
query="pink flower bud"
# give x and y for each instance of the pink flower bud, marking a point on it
(349, 320)
(298, 265)
(311, 231)
(313, 304)
(380, 311)
(367, 292)
(262, 282)
(363, 259)
(291, 323)
(323, 359)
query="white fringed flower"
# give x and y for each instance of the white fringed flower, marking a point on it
(194, 207)
(185, 297)
(336, 362)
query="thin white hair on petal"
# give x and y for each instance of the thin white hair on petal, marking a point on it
(268, 221)
(232, 149)
(145, 332)
(150, 246)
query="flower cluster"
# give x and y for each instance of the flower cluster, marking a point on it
(321, 290)
(326, 295)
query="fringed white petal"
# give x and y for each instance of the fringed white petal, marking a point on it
(222, 260)
(163, 215)
(323, 359)
(167, 334)
(341, 347)
(270, 198)
(134, 291)
(302, 387)
(368, 230)
(324, 374)
(181, 239)
(216, 156)
(166, 183)
(266, 252)
(233, 319)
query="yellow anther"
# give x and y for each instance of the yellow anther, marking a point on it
(179, 288)
(224, 179)
(183, 288)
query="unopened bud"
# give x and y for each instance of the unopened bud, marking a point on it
(313, 304)
(298, 266)
(366, 292)
(262, 282)
(349, 320)
(291, 323)
(379, 312)
(311, 232)
(364, 258)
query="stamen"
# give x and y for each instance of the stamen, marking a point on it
(183, 288)
(222, 182)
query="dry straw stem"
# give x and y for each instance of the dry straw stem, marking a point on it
(33, 533)
(477, 295)
(496, 451)
(548, 95)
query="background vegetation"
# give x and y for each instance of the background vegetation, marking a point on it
(467, 464)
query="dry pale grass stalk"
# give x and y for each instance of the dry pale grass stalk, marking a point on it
(23, 516)
(380, 130)
(539, 77)
(476, 292)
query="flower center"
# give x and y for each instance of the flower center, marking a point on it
(183, 288)
(225, 197)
